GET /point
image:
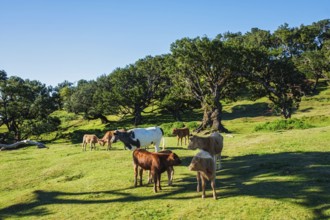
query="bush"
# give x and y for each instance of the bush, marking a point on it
(168, 127)
(284, 125)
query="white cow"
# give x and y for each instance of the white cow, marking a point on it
(140, 137)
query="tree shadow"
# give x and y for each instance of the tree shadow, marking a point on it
(308, 171)
(306, 184)
(248, 110)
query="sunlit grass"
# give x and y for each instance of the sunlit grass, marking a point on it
(265, 175)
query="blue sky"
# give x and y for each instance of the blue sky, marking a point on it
(56, 40)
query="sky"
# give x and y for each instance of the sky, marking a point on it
(56, 40)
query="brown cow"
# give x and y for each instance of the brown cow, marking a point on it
(170, 171)
(157, 163)
(107, 139)
(181, 133)
(89, 139)
(212, 144)
(203, 163)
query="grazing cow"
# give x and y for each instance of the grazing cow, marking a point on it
(212, 144)
(203, 163)
(181, 133)
(157, 163)
(91, 139)
(106, 139)
(170, 171)
(140, 137)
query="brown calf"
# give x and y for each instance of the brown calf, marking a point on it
(170, 171)
(107, 139)
(89, 139)
(157, 163)
(181, 133)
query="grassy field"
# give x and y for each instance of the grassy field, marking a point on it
(283, 174)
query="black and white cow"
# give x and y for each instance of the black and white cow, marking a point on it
(140, 137)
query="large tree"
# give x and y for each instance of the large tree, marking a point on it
(206, 66)
(25, 106)
(136, 86)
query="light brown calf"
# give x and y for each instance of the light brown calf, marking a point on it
(91, 139)
(107, 139)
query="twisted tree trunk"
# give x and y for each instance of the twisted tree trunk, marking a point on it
(19, 143)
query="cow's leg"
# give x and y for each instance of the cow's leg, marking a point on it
(82, 146)
(149, 177)
(154, 175)
(178, 141)
(135, 174)
(219, 157)
(181, 141)
(157, 144)
(170, 173)
(141, 174)
(198, 181)
(203, 186)
(91, 146)
(158, 179)
(213, 188)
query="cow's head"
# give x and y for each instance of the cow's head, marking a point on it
(101, 142)
(174, 159)
(193, 142)
(175, 131)
(126, 138)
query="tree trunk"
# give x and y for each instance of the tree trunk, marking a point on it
(137, 116)
(213, 113)
(212, 119)
(17, 144)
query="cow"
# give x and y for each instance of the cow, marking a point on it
(140, 137)
(170, 171)
(203, 163)
(106, 139)
(212, 144)
(181, 133)
(157, 163)
(91, 139)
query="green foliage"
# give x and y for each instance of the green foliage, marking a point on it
(284, 124)
(168, 127)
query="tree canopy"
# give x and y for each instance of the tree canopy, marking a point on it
(199, 72)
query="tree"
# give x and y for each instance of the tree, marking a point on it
(136, 86)
(24, 104)
(206, 66)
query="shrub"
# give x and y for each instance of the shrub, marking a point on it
(168, 127)
(284, 125)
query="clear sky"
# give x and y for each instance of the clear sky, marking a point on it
(56, 40)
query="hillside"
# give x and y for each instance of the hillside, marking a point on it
(266, 174)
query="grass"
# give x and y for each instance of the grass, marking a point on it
(266, 174)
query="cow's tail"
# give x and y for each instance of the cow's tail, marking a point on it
(163, 137)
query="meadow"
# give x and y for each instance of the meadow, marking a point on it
(269, 171)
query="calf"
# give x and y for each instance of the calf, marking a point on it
(170, 171)
(181, 133)
(89, 139)
(157, 163)
(203, 163)
(107, 139)
(212, 144)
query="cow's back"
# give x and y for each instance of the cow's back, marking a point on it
(145, 159)
(147, 136)
(216, 142)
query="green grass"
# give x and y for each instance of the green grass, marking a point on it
(266, 174)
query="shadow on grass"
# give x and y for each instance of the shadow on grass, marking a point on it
(305, 183)
(248, 110)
